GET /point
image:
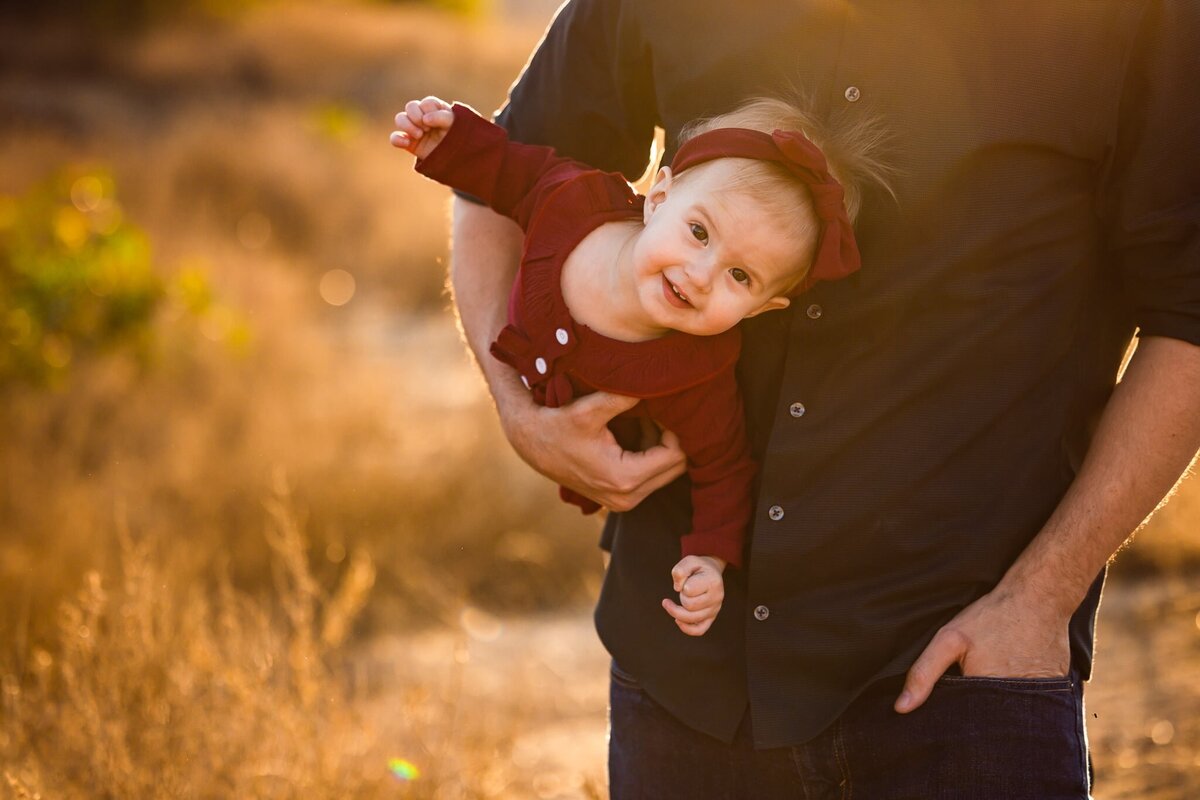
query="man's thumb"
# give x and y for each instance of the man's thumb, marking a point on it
(923, 674)
(607, 404)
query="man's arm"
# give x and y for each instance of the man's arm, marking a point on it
(1148, 435)
(571, 445)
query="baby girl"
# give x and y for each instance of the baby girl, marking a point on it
(641, 295)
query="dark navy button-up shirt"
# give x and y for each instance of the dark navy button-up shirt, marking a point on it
(917, 422)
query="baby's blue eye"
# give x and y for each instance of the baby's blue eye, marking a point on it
(740, 276)
(699, 232)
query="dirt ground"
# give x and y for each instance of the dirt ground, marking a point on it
(547, 677)
(1143, 704)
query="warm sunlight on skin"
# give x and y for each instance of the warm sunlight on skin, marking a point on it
(708, 257)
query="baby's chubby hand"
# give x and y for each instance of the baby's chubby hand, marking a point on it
(422, 125)
(701, 591)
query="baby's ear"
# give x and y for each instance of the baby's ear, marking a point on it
(771, 305)
(657, 193)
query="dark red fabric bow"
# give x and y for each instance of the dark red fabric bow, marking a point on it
(836, 254)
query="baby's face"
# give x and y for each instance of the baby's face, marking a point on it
(709, 257)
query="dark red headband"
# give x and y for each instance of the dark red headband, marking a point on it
(837, 252)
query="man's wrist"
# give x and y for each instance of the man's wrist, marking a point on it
(514, 404)
(1048, 588)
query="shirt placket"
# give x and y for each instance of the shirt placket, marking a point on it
(798, 415)
(845, 89)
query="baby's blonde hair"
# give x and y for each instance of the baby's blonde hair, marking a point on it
(852, 152)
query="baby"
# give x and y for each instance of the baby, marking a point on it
(641, 295)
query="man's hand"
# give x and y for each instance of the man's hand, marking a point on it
(701, 588)
(573, 446)
(1000, 635)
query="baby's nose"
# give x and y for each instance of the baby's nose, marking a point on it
(701, 275)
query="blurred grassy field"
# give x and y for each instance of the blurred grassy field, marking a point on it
(202, 559)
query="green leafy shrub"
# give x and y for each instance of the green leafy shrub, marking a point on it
(77, 280)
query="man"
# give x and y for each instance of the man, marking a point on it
(945, 465)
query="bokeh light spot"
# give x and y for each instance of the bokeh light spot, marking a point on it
(107, 217)
(1162, 732)
(481, 625)
(87, 192)
(549, 785)
(404, 769)
(337, 287)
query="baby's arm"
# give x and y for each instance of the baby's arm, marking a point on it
(701, 587)
(422, 125)
(457, 147)
(708, 421)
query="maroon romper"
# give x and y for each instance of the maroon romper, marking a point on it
(686, 383)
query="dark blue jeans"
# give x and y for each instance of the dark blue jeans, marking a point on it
(974, 739)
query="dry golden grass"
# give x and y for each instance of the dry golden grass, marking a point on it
(190, 693)
(153, 693)
(232, 648)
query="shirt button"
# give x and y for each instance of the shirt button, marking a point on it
(761, 613)
(525, 381)
(797, 409)
(540, 365)
(561, 335)
(775, 513)
(814, 311)
(852, 94)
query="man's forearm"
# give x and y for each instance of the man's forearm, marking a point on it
(1147, 436)
(486, 253)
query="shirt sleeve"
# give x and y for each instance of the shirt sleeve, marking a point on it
(1152, 191)
(710, 424)
(588, 89)
(514, 179)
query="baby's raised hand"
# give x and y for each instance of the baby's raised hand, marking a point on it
(422, 125)
(701, 590)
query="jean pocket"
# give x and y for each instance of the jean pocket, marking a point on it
(989, 737)
(1064, 683)
(622, 678)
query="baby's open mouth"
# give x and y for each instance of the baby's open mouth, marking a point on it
(683, 298)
